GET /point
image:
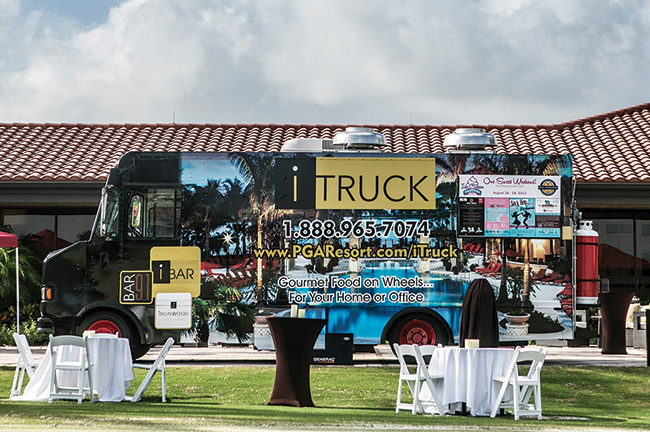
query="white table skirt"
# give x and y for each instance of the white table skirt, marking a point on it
(468, 376)
(112, 370)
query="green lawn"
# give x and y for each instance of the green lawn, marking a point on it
(347, 398)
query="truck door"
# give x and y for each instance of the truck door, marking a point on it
(104, 249)
(148, 219)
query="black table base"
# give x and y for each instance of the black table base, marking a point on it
(294, 340)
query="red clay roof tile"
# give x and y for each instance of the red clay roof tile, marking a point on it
(612, 147)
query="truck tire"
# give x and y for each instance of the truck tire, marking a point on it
(418, 329)
(139, 350)
(110, 322)
(106, 322)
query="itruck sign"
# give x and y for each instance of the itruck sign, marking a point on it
(360, 183)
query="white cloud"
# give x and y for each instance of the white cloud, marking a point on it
(331, 55)
(9, 9)
(335, 61)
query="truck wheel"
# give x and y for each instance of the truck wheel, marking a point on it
(106, 322)
(418, 329)
(110, 322)
(139, 350)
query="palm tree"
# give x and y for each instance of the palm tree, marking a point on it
(257, 170)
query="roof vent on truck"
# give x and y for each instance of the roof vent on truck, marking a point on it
(470, 139)
(353, 138)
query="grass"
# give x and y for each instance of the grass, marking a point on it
(347, 398)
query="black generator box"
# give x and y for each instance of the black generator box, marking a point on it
(338, 350)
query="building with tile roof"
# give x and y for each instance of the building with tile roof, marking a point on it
(51, 174)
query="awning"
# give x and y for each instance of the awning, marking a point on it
(8, 240)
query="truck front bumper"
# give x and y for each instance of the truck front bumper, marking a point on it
(44, 324)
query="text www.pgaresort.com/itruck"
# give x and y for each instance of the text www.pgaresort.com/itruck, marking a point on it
(310, 251)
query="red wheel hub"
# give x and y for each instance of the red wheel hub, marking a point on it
(417, 332)
(105, 326)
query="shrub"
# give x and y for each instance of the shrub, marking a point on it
(6, 335)
(28, 328)
(34, 337)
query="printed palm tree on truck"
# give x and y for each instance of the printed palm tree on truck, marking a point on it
(210, 208)
(235, 198)
(207, 209)
(448, 168)
(257, 170)
(203, 211)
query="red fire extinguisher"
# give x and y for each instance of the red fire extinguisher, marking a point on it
(587, 264)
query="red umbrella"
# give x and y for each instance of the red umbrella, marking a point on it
(11, 240)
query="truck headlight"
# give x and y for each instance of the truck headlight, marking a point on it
(46, 293)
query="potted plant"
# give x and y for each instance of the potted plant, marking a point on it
(517, 317)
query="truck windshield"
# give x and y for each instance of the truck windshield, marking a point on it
(107, 225)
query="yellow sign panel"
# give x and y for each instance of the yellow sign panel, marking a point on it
(176, 269)
(376, 183)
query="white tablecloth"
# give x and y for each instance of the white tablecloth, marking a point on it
(112, 370)
(468, 376)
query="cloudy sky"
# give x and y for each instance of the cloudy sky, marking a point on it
(321, 61)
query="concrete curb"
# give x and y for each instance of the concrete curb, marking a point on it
(229, 355)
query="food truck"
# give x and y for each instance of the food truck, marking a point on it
(382, 245)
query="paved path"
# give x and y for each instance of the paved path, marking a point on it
(381, 356)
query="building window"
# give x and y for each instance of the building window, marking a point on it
(616, 249)
(642, 261)
(47, 230)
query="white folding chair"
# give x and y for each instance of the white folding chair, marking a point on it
(106, 335)
(70, 357)
(158, 365)
(523, 386)
(414, 371)
(427, 351)
(25, 363)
